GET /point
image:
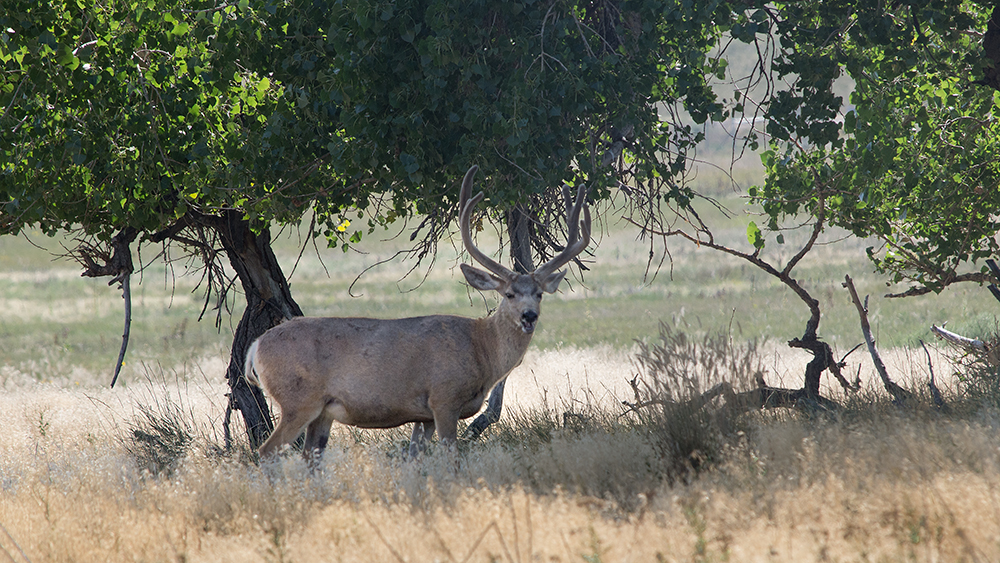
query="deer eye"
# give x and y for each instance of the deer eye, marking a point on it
(510, 295)
(539, 296)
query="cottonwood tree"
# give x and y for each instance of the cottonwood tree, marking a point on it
(125, 122)
(201, 124)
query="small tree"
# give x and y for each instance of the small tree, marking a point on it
(911, 161)
(912, 158)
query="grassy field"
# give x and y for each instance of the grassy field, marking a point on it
(139, 473)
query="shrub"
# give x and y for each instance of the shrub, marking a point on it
(675, 394)
(158, 438)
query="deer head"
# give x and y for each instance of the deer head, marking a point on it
(521, 293)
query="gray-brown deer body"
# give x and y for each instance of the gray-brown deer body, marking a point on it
(382, 373)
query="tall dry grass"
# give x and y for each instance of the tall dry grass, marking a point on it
(570, 474)
(94, 475)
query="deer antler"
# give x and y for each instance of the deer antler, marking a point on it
(579, 233)
(463, 222)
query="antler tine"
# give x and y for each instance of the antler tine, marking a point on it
(466, 205)
(578, 236)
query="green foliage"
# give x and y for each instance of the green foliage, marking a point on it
(535, 93)
(133, 114)
(130, 114)
(913, 161)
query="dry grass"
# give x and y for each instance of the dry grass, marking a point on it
(564, 479)
(139, 473)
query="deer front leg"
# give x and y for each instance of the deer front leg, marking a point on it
(422, 433)
(447, 427)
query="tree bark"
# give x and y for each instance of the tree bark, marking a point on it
(519, 230)
(269, 302)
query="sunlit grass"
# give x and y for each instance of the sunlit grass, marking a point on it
(873, 483)
(142, 473)
(54, 320)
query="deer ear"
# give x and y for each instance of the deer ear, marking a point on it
(483, 281)
(551, 282)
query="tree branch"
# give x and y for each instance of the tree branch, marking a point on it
(119, 265)
(946, 280)
(900, 395)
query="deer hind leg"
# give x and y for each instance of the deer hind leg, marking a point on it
(422, 432)
(317, 435)
(290, 426)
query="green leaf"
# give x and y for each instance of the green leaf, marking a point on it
(754, 236)
(68, 59)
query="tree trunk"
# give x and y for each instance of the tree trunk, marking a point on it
(519, 231)
(269, 302)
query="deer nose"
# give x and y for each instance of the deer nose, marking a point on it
(529, 316)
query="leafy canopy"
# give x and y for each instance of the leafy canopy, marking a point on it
(131, 114)
(912, 158)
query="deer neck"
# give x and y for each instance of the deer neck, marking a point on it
(501, 345)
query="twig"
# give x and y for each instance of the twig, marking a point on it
(851, 351)
(900, 395)
(935, 392)
(843, 362)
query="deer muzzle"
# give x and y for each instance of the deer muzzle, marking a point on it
(528, 320)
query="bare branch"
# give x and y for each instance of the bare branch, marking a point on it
(127, 295)
(935, 392)
(945, 280)
(900, 395)
(973, 345)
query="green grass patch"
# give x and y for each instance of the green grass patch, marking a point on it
(53, 320)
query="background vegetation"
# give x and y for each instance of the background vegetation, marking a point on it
(77, 322)
(571, 474)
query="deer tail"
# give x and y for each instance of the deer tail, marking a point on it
(248, 372)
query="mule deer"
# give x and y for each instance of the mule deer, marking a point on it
(432, 370)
